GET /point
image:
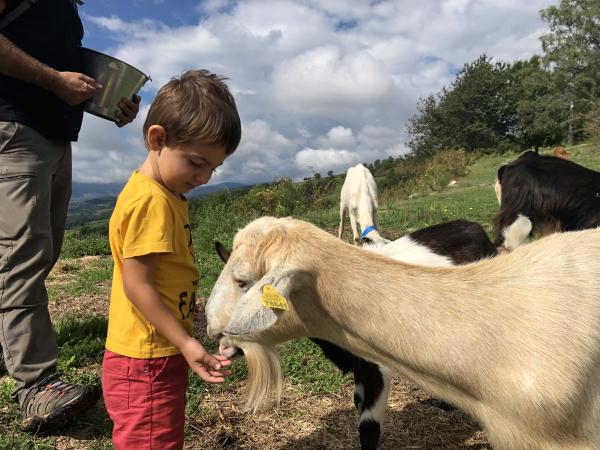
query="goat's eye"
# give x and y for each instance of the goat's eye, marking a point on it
(242, 284)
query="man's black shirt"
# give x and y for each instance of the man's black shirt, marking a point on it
(50, 31)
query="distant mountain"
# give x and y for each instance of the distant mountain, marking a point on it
(212, 188)
(90, 191)
(92, 202)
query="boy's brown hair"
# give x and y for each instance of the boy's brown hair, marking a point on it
(196, 107)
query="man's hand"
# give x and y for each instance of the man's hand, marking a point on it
(208, 367)
(128, 110)
(73, 87)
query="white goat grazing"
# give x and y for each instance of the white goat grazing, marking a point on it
(359, 197)
(512, 340)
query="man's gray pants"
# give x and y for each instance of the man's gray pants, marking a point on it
(35, 187)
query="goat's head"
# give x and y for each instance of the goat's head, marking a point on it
(560, 152)
(263, 255)
(373, 237)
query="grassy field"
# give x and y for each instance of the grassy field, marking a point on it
(317, 410)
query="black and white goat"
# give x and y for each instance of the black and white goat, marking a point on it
(441, 245)
(554, 193)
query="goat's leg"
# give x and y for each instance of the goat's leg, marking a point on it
(353, 224)
(371, 393)
(512, 229)
(517, 232)
(371, 390)
(375, 217)
(503, 220)
(341, 229)
(343, 359)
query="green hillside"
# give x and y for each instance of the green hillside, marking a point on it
(316, 396)
(421, 201)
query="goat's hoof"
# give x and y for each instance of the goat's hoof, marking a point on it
(369, 431)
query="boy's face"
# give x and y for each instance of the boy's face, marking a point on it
(184, 167)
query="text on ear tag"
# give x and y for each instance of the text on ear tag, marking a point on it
(273, 299)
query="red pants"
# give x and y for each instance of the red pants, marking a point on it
(145, 399)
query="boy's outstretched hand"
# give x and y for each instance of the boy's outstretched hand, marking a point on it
(211, 368)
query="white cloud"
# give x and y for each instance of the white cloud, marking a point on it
(319, 83)
(338, 137)
(262, 155)
(323, 160)
(105, 153)
(326, 81)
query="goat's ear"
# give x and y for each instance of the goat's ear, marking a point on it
(500, 172)
(286, 281)
(250, 316)
(223, 253)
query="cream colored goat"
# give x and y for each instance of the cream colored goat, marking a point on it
(513, 340)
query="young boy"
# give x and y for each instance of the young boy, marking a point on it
(191, 127)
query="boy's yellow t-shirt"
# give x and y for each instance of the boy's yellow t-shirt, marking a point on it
(149, 219)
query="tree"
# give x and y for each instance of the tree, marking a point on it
(549, 99)
(317, 176)
(475, 112)
(539, 105)
(330, 173)
(592, 124)
(572, 53)
(479, 107)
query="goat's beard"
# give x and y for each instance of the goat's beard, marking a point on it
(265, 377)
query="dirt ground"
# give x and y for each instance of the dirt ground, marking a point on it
(330, 422)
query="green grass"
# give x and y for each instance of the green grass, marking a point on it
(304, 365)
(81, 343)
(83, 279)
(11, 437)
(77, 245)
(403, 208)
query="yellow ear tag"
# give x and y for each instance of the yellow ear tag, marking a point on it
(273, 299)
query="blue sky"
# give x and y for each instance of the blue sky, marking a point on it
(320, 84)
(175, 13)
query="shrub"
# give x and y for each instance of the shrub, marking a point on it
(279, 199)
(77, 245)
(286, 198)
(444, 166)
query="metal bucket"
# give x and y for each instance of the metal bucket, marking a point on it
(118, 80)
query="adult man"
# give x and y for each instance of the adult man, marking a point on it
(41, 91)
